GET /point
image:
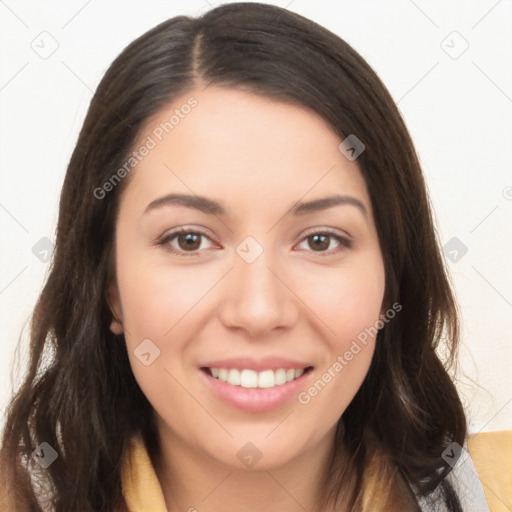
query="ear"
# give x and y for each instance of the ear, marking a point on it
(116, 326)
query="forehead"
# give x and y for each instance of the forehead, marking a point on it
(244, 149)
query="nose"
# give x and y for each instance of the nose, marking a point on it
(257, 299)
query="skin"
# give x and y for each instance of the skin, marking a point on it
(258, 157)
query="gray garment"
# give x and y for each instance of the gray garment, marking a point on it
(464, 479)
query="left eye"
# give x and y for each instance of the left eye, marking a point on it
(321, 242)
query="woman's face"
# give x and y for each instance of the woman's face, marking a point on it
(278, 271)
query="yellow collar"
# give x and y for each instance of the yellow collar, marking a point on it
(141, 488)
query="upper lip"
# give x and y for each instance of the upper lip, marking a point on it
(258, 365)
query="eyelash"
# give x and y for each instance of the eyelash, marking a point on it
(343, 241)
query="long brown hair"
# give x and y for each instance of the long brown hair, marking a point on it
(79, 394)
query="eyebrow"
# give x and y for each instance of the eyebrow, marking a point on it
(212, 207)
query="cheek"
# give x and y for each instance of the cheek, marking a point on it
(348, 304)
(347, 300)
(161, 305)
(165, 305)
(327, 397)
(155, 297)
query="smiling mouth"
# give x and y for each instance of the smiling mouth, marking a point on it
(247, 378)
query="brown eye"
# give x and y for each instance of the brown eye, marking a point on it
(189, 241)
(325, 243)
(186, 242)
(319, 242)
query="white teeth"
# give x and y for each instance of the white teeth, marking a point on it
(252, 379)
(266, 379)
(234, 377)
(280, 376)
(248, 379)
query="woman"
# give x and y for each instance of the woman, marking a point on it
(246, 293)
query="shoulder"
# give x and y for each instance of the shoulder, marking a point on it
(482, 472)
(481, 475)
(491, 454)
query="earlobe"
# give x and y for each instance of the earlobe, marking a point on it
(116, 326)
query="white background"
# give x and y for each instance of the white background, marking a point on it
(458, 110)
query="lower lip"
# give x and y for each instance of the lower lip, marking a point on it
(256, 399)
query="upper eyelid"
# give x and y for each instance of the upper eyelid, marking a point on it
(329, 231)
(172, 234)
